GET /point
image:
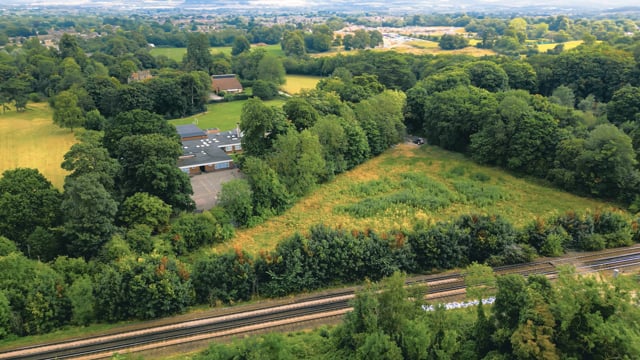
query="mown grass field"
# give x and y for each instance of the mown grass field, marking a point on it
(223, 115)
(448, 185)
(177, 53)
(295, 83)
(30, 139)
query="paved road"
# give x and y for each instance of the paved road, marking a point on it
(206, 187)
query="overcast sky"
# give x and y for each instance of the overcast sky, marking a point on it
(576, 4)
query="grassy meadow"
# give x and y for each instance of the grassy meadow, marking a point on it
(30, 139)
(409, 184)
(295, 83)
(543, 48)
(177, 53)
(223, 115)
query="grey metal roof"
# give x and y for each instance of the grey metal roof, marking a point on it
(208, 151)
(189, 130)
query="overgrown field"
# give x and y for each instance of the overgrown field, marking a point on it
(30, 139)
(408, 184)
(223, 115)
(177, 53)
(295, 83)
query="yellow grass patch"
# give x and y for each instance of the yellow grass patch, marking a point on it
(423, 44)
(567, 45)
(296, 83)
(527, 199)
(30, 139)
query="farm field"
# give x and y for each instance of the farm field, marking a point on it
(444, 186)
(223, 115)
(30, 139)
(295, 83)
(567, 45)
(177, 53)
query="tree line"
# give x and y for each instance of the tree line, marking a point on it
(531, 318)
(137, 276)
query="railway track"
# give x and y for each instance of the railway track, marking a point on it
(313, 307)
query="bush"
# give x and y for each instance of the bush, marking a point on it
(478, 193)
(480, 177)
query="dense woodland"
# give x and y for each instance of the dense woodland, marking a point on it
(121, 241)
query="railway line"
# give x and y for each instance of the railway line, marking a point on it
(310, 308)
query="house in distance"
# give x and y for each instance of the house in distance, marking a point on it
(207, 151)
(227, 83)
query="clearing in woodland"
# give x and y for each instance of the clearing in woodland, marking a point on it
(409, 184)
(296, 83)
(30, 139)
(222, 115)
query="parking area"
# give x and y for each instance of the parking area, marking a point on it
(206, 187)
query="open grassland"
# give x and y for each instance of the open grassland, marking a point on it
(30, 139)
(177, 53)
(410, 184)
(295, 83)
(223, 115)
(543, 48)
(170, 52)
(423, 44)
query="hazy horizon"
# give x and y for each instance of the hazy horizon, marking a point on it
(416, 6)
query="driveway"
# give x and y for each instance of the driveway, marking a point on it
(206, 187)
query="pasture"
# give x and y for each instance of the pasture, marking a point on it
(543, 48)
(410, 184)
(177, 53)
(223, 115)
(30, 139)
(295, 83)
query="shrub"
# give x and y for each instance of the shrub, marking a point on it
(478, 193)
(478, 176)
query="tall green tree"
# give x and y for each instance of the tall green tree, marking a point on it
(300, 112)
(236, 198)
(270, 196)
(88, 212)
(293, 44)
(66, 111)
(452, 116)
(136, 122)
(452, 42)
(624, 105)
(27, 201)
(240, 45)
(607, 164)
(297, 158)
(89, 157)
(333, 140)
(143, 287)
(487, 75)
(228, 277)
(260, 125)
(144, 209)
(149, 165)
(270, 69)
(381, 118)
(198, 56)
